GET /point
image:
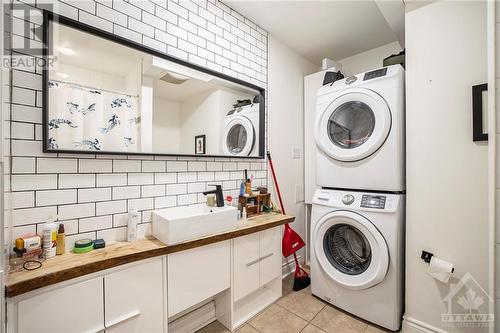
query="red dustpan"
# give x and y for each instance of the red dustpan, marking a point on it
(291, 242)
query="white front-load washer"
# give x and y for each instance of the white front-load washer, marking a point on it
(359, 132)
(357, 253)
(241, 131)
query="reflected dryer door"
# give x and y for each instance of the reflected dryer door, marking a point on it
(351, 250)
(239, 137)
(353, 126)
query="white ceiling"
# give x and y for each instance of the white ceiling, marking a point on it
(319, 29)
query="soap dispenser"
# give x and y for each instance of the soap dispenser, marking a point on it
(133, 220)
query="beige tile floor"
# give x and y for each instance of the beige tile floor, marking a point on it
(299, 312)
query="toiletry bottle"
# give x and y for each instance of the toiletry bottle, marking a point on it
(248, 186)
(19, 244)
(244, 213)
(238, 210)
(242, 188)
(49, 240)
(133, 220)
(61, 240)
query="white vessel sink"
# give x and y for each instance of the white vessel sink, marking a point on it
(174, 225)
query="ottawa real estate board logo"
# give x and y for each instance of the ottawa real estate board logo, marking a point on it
(468, 305)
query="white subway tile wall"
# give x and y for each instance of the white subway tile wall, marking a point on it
(91, 194)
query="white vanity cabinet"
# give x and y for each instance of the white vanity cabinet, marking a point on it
(257, 261)
(256, 280)
(197, 274)
(133, 299)
(75, 308)
(270, 255)
(229, 280)
(246, 265)
(242, 276)
(125, 299)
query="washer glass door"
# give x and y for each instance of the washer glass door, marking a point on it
(347, 249)
(239, 137)
(351, 250)
(353, 126)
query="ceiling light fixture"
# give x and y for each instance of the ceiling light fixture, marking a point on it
(174, 78)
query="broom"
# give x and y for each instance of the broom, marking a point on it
(292, 242)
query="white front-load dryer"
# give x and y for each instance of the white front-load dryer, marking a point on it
(359, 132)
(241, 131)
(357, 253)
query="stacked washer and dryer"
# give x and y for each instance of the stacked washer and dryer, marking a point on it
(357, 217)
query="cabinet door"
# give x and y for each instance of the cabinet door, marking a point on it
(246, 265)
(133, 299)
(197, 274)
(76, 308)
(270, 255)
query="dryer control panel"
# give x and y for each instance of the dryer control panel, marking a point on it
(374, 74)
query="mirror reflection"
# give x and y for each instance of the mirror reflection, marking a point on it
(104, 96)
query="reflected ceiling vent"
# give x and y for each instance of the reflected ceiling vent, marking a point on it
(174, 78)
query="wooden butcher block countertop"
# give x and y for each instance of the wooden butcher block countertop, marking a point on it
(68, 266)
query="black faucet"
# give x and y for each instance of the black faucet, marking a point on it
(219, 197)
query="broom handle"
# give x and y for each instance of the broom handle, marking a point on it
(298, 269)
(297, 266)
(275, 182)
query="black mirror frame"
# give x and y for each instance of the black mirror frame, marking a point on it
(52, 17)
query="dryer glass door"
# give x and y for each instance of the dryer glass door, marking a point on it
(351, 250)
(353, 126)
(239, 137)
(236, 138)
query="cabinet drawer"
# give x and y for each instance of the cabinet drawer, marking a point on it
(246, 265)
(270, 255)
(76, 308)
(197, 274)
(134, 299)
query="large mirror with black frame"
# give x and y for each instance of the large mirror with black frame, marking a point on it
(105, 94)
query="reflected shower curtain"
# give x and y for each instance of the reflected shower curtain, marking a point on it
(83, 118)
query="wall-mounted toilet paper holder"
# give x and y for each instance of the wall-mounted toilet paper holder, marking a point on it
(426, 256)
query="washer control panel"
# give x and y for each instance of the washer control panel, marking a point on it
(373, 201)
(362, 201)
